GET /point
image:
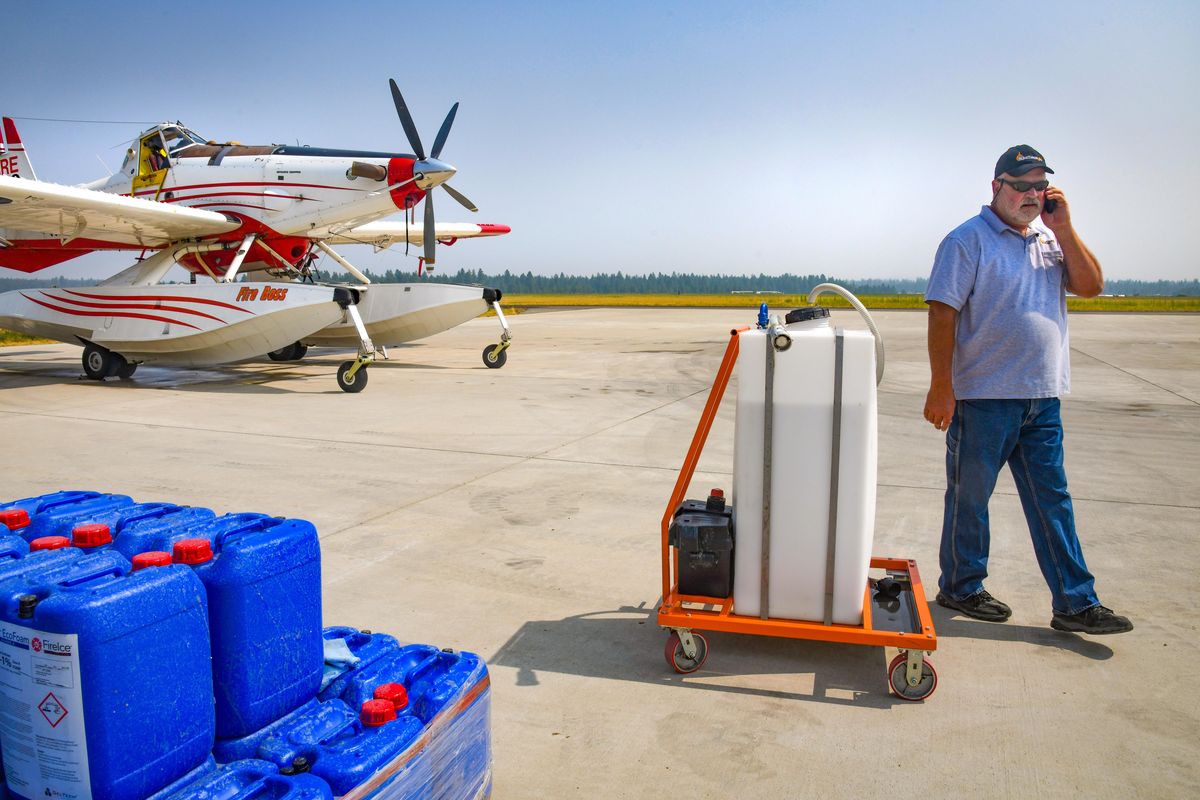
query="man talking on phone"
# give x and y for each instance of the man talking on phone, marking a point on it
(999, 356)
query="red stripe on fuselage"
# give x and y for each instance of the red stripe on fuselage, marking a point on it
(76, 313)
(174, 299)
(142, 306)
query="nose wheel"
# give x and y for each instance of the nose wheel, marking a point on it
(352, 375)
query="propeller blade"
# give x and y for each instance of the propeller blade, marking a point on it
(460, 197)
(429, 242)
(410, 130)
(440, 141)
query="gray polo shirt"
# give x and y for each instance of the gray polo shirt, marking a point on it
(1010, 292)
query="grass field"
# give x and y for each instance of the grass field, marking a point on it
(883, 301)
(12, 337)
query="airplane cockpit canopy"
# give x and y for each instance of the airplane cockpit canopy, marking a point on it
(178, 138)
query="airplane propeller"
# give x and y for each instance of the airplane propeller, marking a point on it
(429, 172)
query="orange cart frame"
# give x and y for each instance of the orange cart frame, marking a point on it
(910, 675)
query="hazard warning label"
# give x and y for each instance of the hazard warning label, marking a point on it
(52, 710)
(42, 715)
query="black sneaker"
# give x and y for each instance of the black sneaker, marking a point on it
(980, 606)
(1095, 620)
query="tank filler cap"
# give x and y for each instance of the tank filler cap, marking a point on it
(14, 518)
(376, 713)
(26, 603)
(394, 693)
(49, 543)
(192, 551)
(806, 314)
(151, 558)
(91, 534)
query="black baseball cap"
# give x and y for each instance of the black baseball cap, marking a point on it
(1019, 160)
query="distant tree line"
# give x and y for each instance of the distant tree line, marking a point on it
(667, 283)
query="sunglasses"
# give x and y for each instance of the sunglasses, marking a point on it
(1025, 186)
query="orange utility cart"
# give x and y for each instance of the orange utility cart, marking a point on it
(895, 613)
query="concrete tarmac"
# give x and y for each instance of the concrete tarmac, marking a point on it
(515, 513)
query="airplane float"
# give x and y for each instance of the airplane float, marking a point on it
(222, 210)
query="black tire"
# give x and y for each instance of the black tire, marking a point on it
(491, 360)
(285, 353)
(354, 384)
(126, 372)
(299, 351)
(117, 365)
(97, 362)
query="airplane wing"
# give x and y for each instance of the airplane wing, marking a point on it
(71, 212)
(385, 234)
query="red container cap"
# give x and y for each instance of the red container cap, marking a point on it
(153, 558)
(377, 712)
(90, 534)
(193, 551)
(14, 518)
(717, 493)
(49, 543)
(394, 693)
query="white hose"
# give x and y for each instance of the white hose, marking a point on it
(866, 315)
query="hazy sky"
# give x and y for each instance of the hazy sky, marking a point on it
(738, 137)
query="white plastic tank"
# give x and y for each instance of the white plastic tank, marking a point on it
(801, 458)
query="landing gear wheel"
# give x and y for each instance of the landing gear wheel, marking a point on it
(98, 363)
(126, 372)
(679, 660)
(351, 383)
(492, 359)
(898, 679)
(291, 352)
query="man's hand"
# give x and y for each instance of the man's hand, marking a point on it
(939, 406)
(1061, 218)
(939, 403)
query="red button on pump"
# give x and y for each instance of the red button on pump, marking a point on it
(14, 518)
(394, 693)
(377, 712)
(49, 543)
(153, 558)
(717, 493)
(193, 551)
(91, 534)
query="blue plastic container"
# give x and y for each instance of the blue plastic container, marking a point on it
(55, 514)
(431, 676)
(338, 746)
(368, 647)
(246, 780)
(263, 579)
(12, 547)
(139, 661)
(157, 526)
(228, 750)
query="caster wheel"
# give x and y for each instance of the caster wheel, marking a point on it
(679, 660)
(352, 384)
(98, 364)
(493, 360)
(897, 679)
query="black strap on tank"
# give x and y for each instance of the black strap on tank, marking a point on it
(768, 424)
(835, 460)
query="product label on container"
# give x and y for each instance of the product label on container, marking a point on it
(41, 715)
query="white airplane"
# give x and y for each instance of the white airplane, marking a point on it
(222, 210)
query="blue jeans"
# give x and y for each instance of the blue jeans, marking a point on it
(1028, 435)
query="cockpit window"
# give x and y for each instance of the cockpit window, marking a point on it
(178, 138)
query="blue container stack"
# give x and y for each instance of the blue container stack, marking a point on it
(161, 651)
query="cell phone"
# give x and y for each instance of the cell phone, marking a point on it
(1048, 205)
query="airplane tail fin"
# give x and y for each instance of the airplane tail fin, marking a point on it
(13, 158)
